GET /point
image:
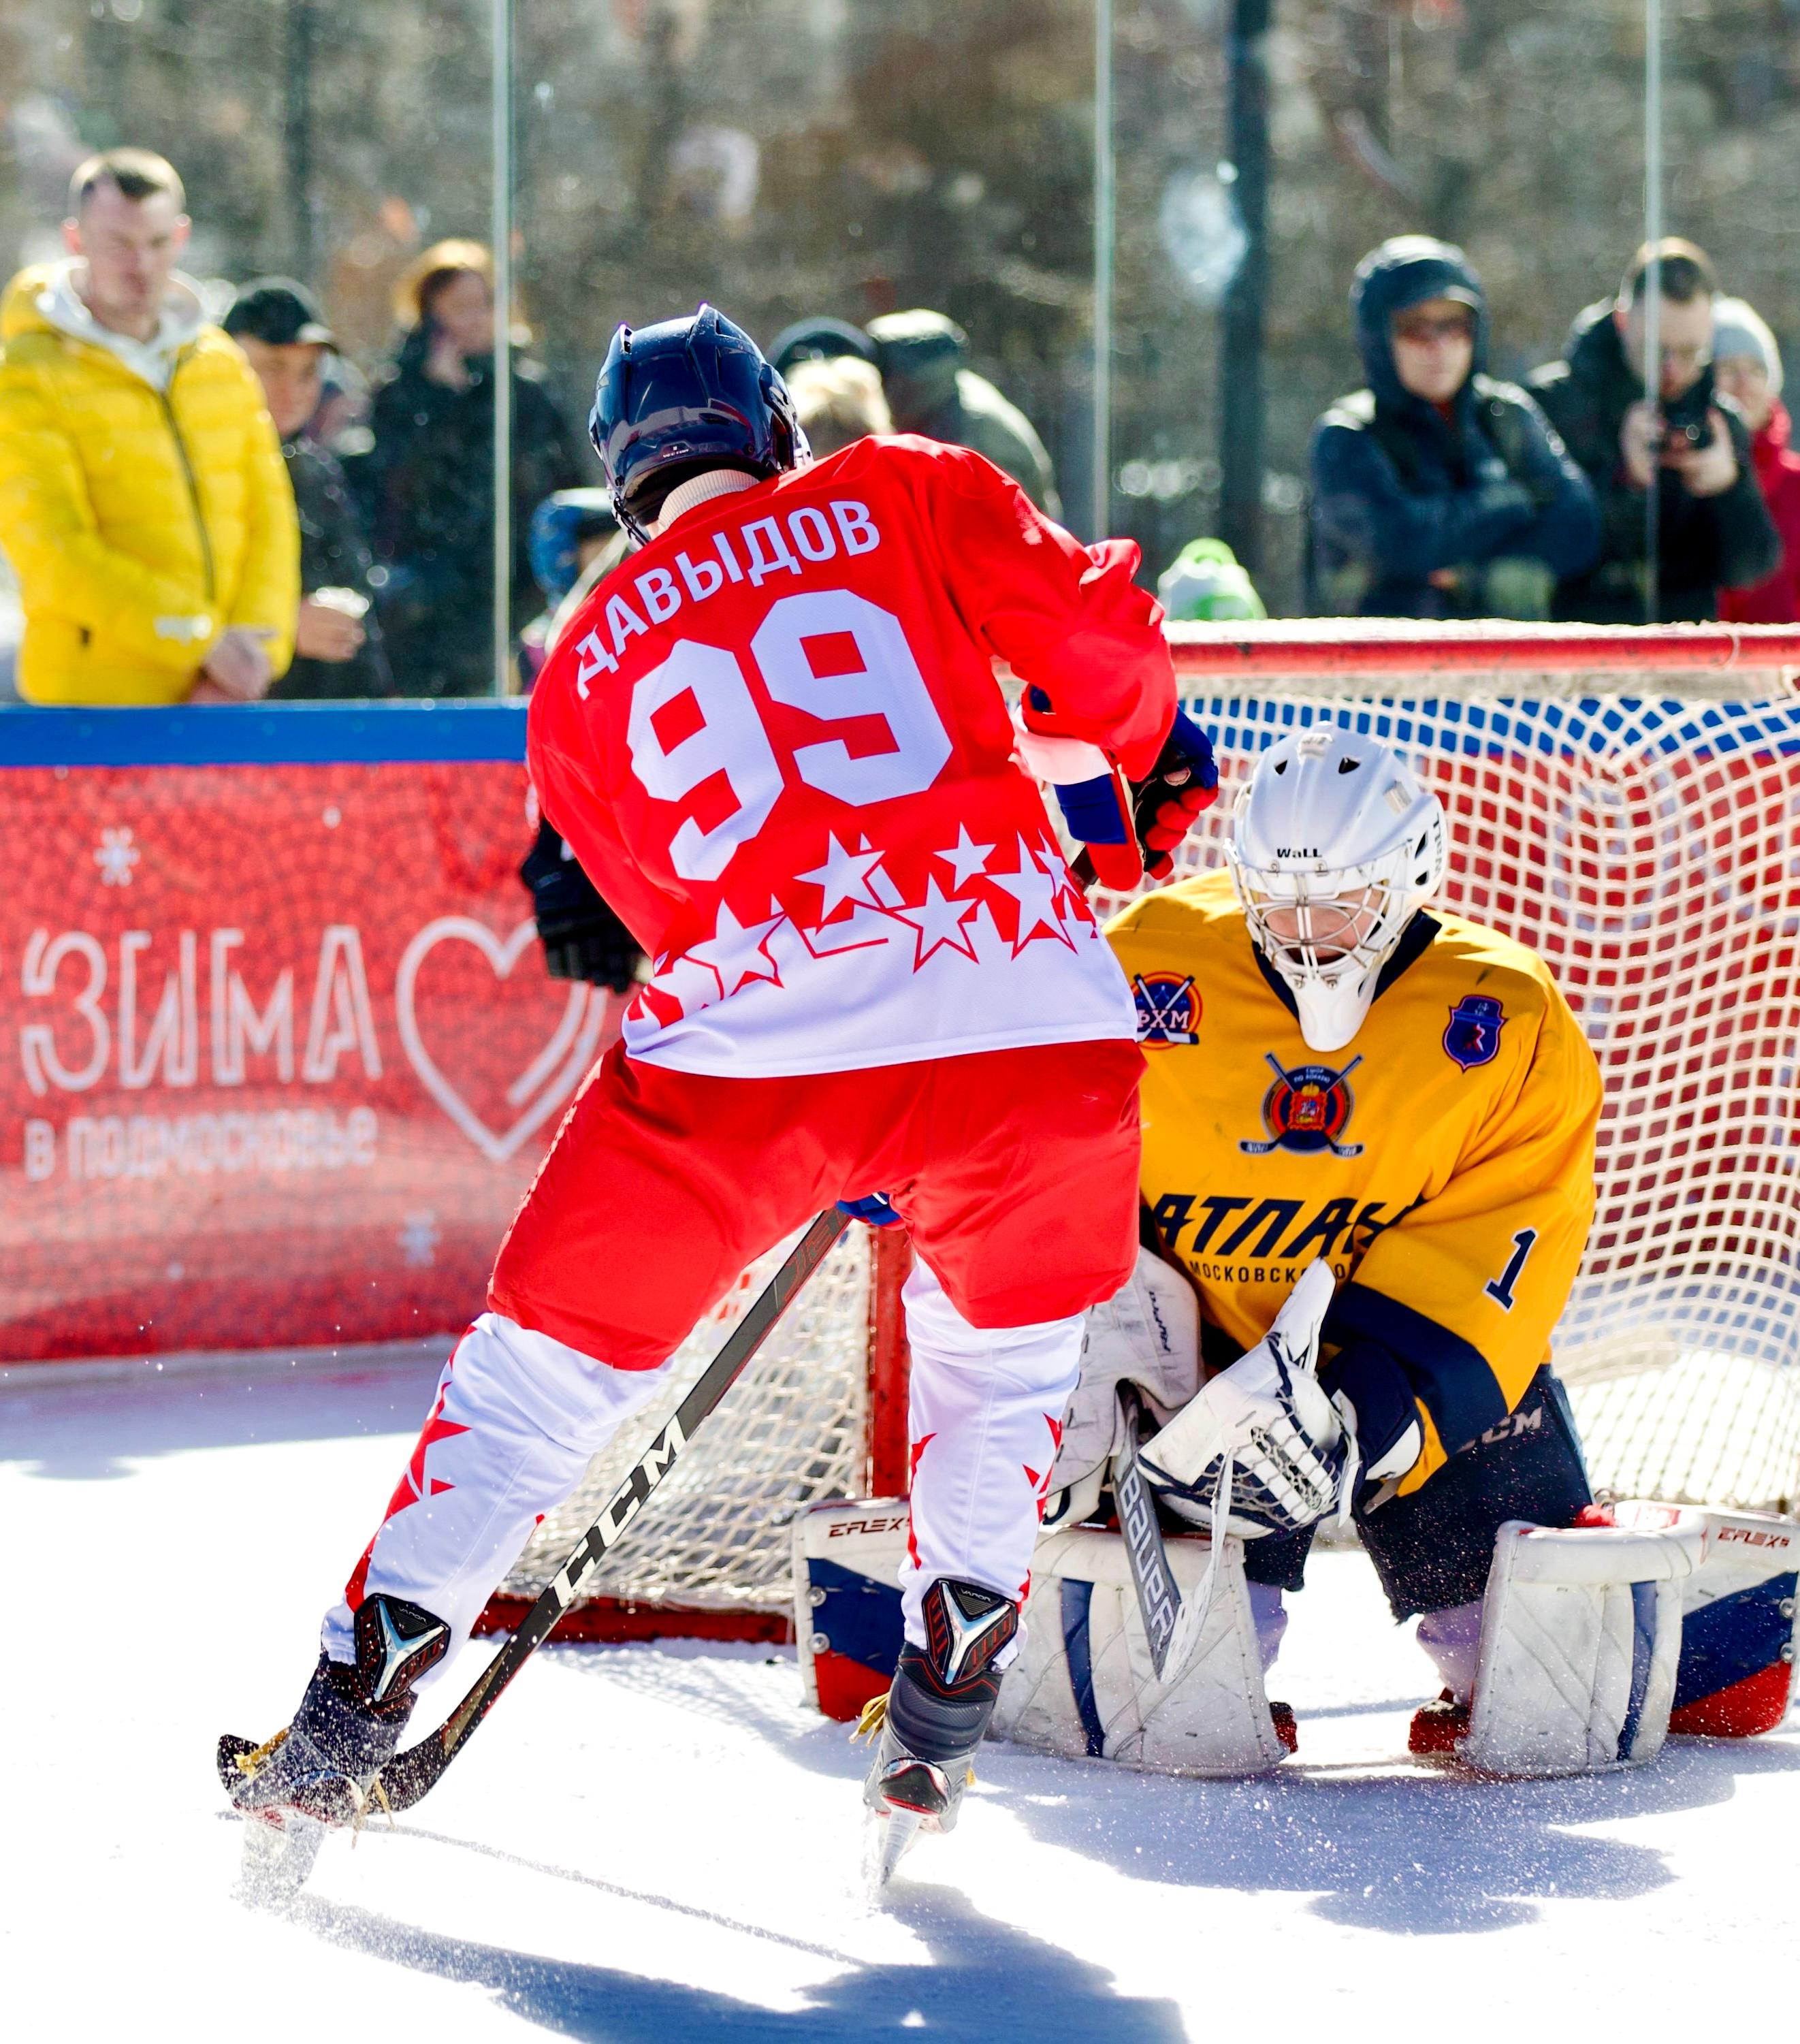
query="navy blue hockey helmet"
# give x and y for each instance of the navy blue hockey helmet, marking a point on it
(682, 397)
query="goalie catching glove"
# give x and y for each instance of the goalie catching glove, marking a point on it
(1263, 1449)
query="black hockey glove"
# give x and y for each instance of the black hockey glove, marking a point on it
(582, 937)
(1367, 1376)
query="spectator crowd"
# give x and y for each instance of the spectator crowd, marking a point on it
(1440, 491)
(209, 513)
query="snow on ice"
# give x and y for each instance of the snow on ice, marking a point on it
(659, 1842)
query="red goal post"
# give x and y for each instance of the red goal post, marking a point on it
(1625, 800)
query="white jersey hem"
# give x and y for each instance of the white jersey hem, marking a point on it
(733, 1065)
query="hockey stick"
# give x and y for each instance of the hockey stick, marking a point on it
(411, 1775)
(1159, 1600)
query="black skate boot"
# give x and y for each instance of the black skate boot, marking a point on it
(936, 1714)
(318, 1772)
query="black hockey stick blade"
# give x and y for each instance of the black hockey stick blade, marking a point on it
(413, 1774)
(1159, 1598)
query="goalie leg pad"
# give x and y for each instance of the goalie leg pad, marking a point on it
(1580, 1637)
(1738, 1632)
(1085, 1685)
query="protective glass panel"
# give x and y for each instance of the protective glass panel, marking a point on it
(334, 146)
(1510, 129)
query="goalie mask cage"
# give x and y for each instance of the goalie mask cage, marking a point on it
(1625, 802)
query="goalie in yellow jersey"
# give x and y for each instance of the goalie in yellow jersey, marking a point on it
(1340, 1079)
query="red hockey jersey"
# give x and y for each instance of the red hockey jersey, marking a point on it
(774, 739)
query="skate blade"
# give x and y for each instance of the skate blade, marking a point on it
(890, 1837)
(278, 1857)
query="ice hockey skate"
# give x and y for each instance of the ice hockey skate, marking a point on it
(932, 1718)
(318, 1772)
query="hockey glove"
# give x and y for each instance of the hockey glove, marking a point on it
(1183, 781)
(582, 937)
(1095, 801)
(1367, 1378)
(1262, 1450)
(873, 1208)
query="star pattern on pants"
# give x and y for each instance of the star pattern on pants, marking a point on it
(414, 1483)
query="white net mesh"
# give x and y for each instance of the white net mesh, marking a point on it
(790, 1431)
(1647, 850)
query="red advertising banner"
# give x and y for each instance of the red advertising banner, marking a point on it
(279, 1054)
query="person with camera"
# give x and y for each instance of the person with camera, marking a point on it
(1691, 444)
(1438, 490)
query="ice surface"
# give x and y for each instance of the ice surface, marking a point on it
(661, 1843)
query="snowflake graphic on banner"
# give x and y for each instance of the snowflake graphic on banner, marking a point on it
(116, 855)
(418, 1239)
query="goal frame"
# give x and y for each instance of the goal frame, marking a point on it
(1351, 659)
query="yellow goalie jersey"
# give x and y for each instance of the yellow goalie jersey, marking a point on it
(1443, 1161)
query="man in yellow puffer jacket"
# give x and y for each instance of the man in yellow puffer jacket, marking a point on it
(143, 501)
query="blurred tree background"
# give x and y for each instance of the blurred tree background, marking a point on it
(855, 156)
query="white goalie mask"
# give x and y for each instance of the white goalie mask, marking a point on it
(1335, 846)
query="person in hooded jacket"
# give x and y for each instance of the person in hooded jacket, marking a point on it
(143, 502)
(1747, 367)
(427, 481)
(1438, 490)
(1690, 443)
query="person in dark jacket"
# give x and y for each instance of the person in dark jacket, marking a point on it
(428, 477)
(1438, 490)
(338, 648)
(930, 390)
(1691, 444)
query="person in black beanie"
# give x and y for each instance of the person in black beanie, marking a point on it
(339, 651)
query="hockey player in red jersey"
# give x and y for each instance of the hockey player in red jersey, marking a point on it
(774, 739)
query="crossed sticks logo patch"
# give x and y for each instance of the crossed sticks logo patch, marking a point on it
(1307, 1110)
(1168, 1010)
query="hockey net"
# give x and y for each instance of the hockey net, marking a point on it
(1627, 803)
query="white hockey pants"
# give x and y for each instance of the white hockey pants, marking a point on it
(518, 1415)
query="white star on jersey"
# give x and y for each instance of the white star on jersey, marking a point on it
(735, 951)
(966, 855)
(844, 876)
(939, 923)
(1036, 892)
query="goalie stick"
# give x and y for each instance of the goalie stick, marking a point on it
(411, 1775)
(1159, 1599)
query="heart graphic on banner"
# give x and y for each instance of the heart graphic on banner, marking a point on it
(542, 1087)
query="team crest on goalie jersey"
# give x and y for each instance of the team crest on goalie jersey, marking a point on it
(1307, 1110)
(1168, 1010)
(1472, 1037)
